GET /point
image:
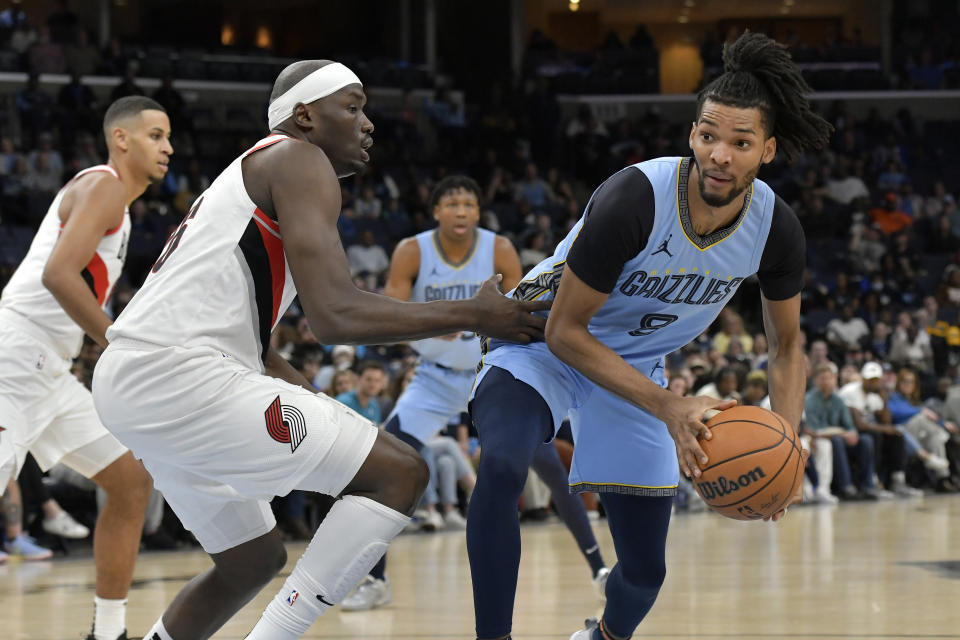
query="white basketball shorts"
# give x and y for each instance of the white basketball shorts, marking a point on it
(45, 410)
(220, 440)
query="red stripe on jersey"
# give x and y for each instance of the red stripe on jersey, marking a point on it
(274, 246)
(101, 282)
(266, 220)
(267, 144)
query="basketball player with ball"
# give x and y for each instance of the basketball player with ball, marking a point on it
(662, 246)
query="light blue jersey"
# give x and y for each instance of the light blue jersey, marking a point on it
(441, 384)
(665, 296)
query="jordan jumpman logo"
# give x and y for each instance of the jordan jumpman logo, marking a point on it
(664, 247)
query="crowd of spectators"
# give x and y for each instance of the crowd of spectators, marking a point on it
(882, 288)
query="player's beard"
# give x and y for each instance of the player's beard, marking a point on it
(723, 200)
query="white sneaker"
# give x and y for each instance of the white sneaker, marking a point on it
(369, 594)
(454, 521)
(432, 521)
(593, 515)
(878, 494)
(936, 463)
(586, 634)
(600, 583)
(822, 495)
(64, 525)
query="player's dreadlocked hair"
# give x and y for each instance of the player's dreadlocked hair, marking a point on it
(759, 73)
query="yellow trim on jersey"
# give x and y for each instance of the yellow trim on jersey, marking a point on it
(618, 484)
(466, 259)
(742, 216)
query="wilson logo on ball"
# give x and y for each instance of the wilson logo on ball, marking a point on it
(285, 424)
(725, 486)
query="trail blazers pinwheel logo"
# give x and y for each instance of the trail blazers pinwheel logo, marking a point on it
(285, 424)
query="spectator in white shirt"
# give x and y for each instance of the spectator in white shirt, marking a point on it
(368, 260)
(847, 330)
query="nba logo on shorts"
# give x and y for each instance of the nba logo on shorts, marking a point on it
(285, 424)
(292, 597)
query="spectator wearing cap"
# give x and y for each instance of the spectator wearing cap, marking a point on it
(343, 356)
(871, 416)
(889, 217)
(828, 418)
(699, 370)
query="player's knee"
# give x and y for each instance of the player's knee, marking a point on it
(126, 480)
(256, 569)
(505, 469)
(644, 576)
(420, 473)
(412, 478)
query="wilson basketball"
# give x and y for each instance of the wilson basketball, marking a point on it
(754, 463)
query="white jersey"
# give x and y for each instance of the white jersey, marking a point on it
(25, 301)
(440, 279)
(222, 281)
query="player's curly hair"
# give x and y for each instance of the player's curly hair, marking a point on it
(759, 73)
(454, 183)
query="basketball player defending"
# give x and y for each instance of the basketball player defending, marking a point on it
(56, 295)
(221, 421)
(621, 305)
(451, 262)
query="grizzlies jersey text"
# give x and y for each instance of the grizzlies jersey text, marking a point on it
(669, 292)
(440, 279)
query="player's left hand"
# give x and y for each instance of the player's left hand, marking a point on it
(797, 497)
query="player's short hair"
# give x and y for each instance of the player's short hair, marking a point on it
(371, 364)
(126, 107)
(758, 73)
(454, 183)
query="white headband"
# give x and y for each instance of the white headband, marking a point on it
(319, 84)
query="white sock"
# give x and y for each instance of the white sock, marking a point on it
(348, 543)
(158, 632)
(109, 618)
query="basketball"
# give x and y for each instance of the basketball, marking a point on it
(754, 463)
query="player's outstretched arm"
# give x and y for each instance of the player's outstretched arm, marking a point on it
(569, 338)
(93, 206)
(305, 195)
(781, 319)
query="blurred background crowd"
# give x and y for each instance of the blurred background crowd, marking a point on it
(881, 303)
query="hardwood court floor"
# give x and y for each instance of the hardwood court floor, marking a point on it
(864, 570)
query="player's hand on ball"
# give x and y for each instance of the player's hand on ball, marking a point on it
(684, 420)
(505, 318)
(797, 496)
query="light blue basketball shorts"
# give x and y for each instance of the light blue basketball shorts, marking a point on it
(433, 398)
(618, 447)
